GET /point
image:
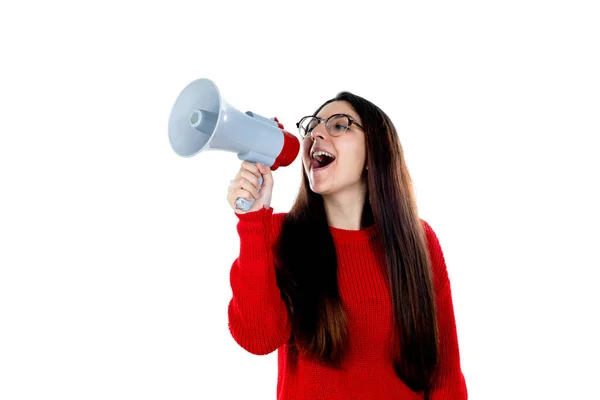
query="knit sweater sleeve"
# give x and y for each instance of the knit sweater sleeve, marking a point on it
(257, 315)
(449, 381)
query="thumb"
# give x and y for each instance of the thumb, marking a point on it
(265, 170)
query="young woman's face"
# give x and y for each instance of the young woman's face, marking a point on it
(348, 151)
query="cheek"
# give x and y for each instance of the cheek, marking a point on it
(305, 150)
(305, 146)
(355, 155)
(362, 153)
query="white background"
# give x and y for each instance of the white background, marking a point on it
(115, 252)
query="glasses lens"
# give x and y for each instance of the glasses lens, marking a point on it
(307, 125)
(338, 125)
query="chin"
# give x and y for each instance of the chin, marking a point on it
(321, 188)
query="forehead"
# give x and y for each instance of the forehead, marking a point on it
(338, 107)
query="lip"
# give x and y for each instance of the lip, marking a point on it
(319, 148)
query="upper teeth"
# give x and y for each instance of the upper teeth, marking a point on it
(322, 153)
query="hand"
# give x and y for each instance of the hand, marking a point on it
(245, 184)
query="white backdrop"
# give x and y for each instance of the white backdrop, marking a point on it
(115, 252)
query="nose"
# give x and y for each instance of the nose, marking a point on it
(319, 132)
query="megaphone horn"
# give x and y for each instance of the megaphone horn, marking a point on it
(202, 120)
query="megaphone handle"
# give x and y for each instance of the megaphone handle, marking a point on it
(245, 204)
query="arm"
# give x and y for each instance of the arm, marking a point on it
(257, 315)
(449, 381)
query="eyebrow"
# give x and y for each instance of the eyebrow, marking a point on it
(350, 115)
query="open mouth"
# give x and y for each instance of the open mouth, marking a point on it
(321, 159)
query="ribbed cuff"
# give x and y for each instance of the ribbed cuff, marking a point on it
(254, 229)
(255, 219)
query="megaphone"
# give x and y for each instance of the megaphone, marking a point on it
(202, 120)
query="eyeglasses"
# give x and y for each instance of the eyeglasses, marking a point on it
(335, 124)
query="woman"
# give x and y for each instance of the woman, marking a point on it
(350, 287)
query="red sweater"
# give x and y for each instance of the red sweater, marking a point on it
(258, 318)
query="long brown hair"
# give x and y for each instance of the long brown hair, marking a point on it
(308, 279)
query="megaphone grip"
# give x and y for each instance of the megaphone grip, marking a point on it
(245, 204)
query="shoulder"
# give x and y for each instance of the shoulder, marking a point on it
(436, 255)
(433, 242)
(279, 218)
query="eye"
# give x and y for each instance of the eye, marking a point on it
(340, 123)
(312, 125)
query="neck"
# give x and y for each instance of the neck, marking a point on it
(344, 209)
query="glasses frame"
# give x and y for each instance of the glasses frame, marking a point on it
(350, 119)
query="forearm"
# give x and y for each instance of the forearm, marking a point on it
(258, 318)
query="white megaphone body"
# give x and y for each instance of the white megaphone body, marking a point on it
(202, 120)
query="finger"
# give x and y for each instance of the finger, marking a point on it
(248, 186)
(262, 168)
(267, 176)
(250, 167)
(234, 196)
(247, 182)
(250, 177)
(240, 193)
(232, 185)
